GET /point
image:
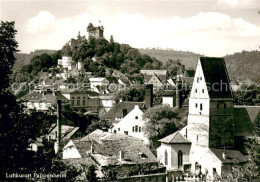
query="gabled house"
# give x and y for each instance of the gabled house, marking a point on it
(155, 77)
(114, 151)
(211, 125)
(67, 132)
(42, 100)
(133, 124)
(82, 99)
(98, 81)
(120, 110)
(66, 62)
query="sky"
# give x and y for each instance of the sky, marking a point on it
(208, 27)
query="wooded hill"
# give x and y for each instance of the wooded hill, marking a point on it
(243, 65)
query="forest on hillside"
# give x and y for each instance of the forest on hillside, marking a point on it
(242, 65)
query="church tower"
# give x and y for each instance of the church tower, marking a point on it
(211, 119)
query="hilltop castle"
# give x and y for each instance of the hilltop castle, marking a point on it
(96, 32)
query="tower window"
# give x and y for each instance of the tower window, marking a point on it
(136, 117)
(200, 78)
(225, 105)
(180, 158)
(217, 105)
(196, 90)
(202, 90)
(140, 129)
(201, 107)
(133, 129)
(196, 105)
(136, 128)
(166, 157)
(197, 138)
(72, 101)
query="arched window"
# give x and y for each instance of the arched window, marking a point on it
(201, 107)
(78, 101)
(196, 105)
(84, 101)
(180, 159)
(72, 101)
(166, 157)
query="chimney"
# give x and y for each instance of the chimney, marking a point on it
(92, 148)
(121, 155)
(56, 146)
(178, 92)
(148, 96)
(224, 155)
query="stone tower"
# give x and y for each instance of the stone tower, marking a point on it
(95, 32)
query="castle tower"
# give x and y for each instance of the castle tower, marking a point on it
(95, 32)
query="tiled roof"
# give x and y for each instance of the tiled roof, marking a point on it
(97, 79)
(189, 73)
(253, 111)
(110, 144)
(151, 72)
(175, 138)
(66, 131)
(169, 93)
(216, 77)
(117, 109)
(243, 124)
(47, 97)
(232, 156)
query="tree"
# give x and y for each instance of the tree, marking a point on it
(91, 174)
(101, 124)
(18, 128)
(8, 46)
(162, 121)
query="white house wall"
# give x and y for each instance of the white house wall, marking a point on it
(70, 151)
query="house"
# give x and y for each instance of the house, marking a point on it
(206, 144)
(106, 101)
(114, 151)
(42, 100)
(155, 77)
(67, 132)
(133, 124)
(79, 98)
(98, 81)
(169, 98)
(66, 62)
(120, 110)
